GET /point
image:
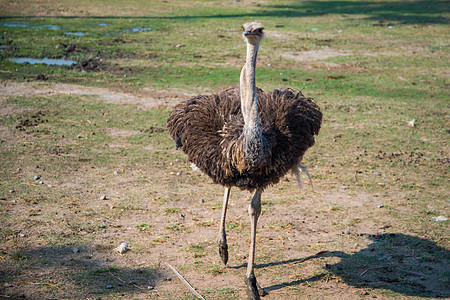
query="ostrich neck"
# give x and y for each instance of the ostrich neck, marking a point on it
(255, 149)
(249, 104)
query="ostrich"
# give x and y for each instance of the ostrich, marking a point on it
(246, 138)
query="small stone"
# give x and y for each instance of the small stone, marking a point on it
(19, 169)
(122, 248)
(168, 278)
(116, 173)
(412, 123)
(49, 185)
(76, 250)
(37, 177)
(7, 284)
(109, 286)
(41, 182)
(381, 184)
(202, 200)
(79, 136)
(380, 206)
(22, 235)
(103, 197)
(150, 287)
(14, 201)
(131, 282)
(179, 46)
(178, 173)
(440, 219)
(356, 245)
(12, 191)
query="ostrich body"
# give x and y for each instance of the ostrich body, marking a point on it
(247, 138)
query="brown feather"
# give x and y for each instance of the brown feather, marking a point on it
(209, 130)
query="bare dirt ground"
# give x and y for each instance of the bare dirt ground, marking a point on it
(143, 98)
(178, 211)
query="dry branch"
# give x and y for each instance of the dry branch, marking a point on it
(37, 283)
(186, 283)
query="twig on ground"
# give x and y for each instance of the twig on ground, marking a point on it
(37, 283)
(186, 283)
(369, 269)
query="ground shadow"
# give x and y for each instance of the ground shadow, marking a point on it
(401, 12)
(405, 12)
(402, 263)
(71, 272)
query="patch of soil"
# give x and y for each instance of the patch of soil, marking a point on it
(335, 77)
(119, 53)
(381, 23)
(41, 77)
(144, 98)
(314, 55)
(7, 135)
(91, 65)
(116, 132)
(407, 157)
(33, 121)
(73, 49)
(155, 129)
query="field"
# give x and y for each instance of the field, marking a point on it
(87, 163)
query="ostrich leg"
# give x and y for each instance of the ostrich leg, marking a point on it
(303, 169)
(253, 288)
(222, 237)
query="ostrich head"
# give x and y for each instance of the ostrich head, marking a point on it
(253, 32)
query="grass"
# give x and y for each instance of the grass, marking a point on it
(381, 65)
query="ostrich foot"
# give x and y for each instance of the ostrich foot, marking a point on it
(254, 291)
(223, 249)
